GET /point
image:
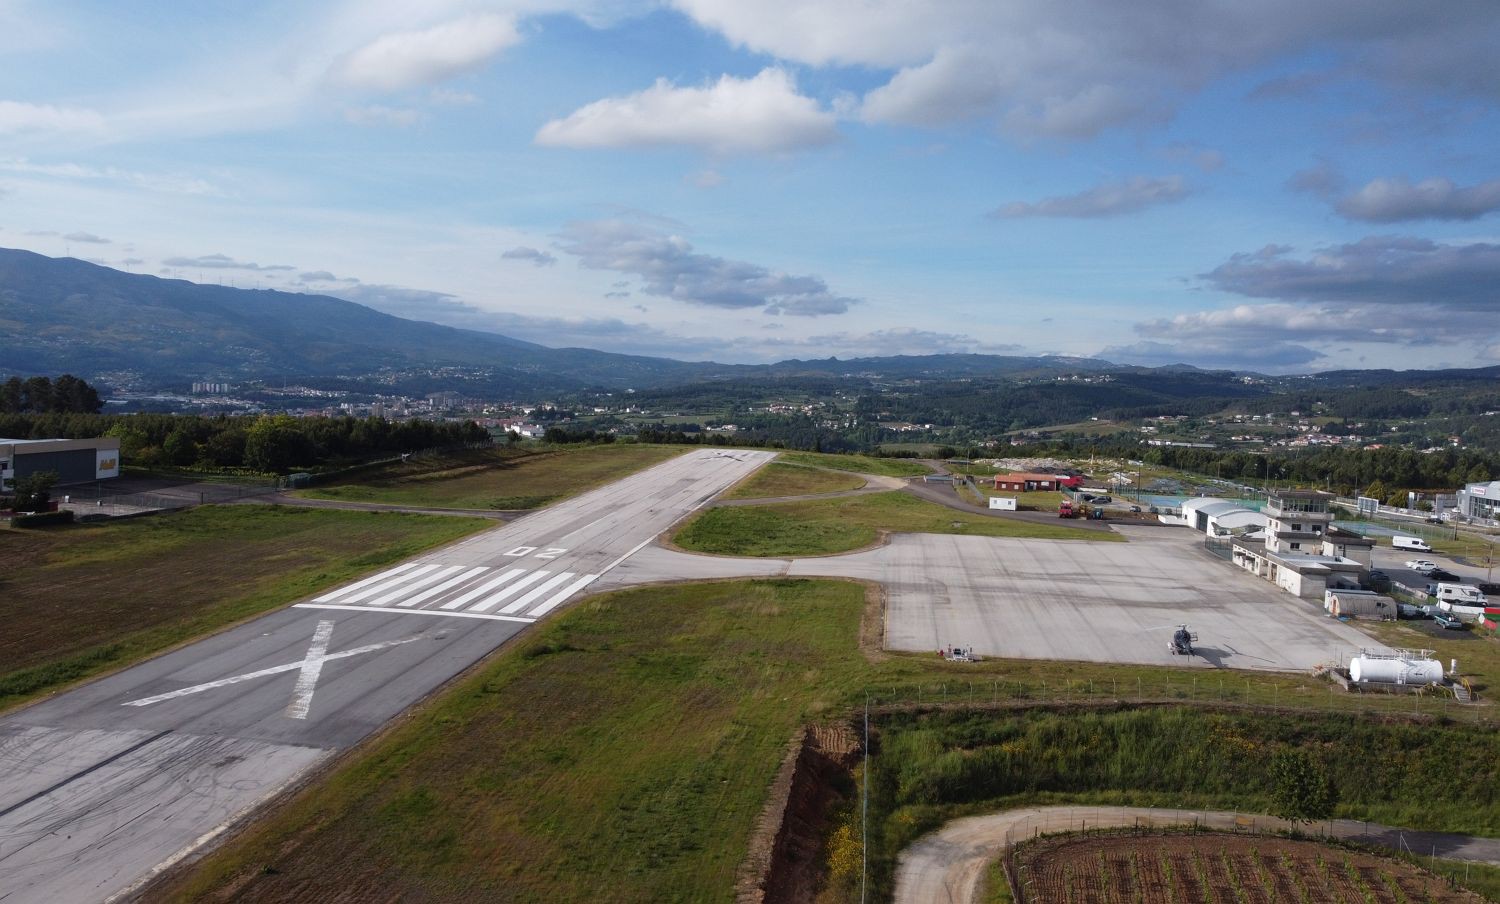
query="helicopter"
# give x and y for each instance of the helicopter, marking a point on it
(1181, 643)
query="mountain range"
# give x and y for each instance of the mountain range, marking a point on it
(63, 315)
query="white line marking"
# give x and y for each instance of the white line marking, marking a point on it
(423, 581)
(275, 669)
(521, 551)
(537, 592)
(366, 582)
(446, 585)
(562, 596)
(482, 589)
(312, 667)
(524, 582)
(378, 588)
(511, 618)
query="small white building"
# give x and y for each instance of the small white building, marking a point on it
(1216, 517)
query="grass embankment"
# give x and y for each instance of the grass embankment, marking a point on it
(622, 751)
(860, 464)
(782, 479)
(824, 526)
(78, 600)
(495, 479)
(934, 766)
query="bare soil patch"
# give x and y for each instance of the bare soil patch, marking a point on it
(1234, 869)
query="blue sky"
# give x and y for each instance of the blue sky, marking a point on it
(1279, 186)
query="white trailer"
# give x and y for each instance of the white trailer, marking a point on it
(1463, 594)
(1004, 503)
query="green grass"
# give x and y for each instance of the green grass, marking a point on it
(77, 601)
(824, 526)
(861, 464)
(934, 766)
(621, 752)
(782, 479)
(495, 479)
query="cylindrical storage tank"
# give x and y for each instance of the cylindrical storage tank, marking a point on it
(1396, 671)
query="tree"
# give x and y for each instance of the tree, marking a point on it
(275, 443)
(34, 492)
(179, 447)
(1303, 792)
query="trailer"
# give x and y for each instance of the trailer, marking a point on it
(1358, 604)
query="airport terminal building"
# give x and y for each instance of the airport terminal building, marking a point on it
(74, 461)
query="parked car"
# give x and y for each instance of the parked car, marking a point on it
(1102, 500)
(1448, 621)
(1422, 565)
(1439, 574)
(1136, 509)
(1378, 581)
(1488, 589)
(1406, 610)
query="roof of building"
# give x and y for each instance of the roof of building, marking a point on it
(1301, 494)
(1026, 475)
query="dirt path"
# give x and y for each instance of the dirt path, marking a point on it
(947, 865)
(284, 499)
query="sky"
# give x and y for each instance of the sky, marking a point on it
(1279, 186)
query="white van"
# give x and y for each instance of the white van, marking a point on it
(1416, 543)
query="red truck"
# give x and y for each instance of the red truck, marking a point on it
(1065, 510)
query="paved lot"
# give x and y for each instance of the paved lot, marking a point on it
(118, 777)
(1058, 599)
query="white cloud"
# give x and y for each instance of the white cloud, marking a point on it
(668, 266)
(222, 262)
(381, 115)
(1107, 200)
(409, 58)
(1400, 199)
(1071, 68)
(531, 255)
(17, 118)
(87, 238)
(764, 114)
(162, 182)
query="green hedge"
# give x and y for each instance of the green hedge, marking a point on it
(43, 519)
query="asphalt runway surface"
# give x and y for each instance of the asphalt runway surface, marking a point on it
(1023, 598)
(107, 784)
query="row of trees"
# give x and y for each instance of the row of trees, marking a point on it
(41, 395)
(270, 443)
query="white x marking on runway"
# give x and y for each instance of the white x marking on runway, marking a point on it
(310, 666)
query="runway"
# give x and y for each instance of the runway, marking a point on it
(112, 781)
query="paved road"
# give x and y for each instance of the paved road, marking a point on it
(946, 866)
(112, 781)
(944, 494)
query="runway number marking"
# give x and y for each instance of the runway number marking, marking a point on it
(550, 552)
(308, 668)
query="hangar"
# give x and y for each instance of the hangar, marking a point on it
(72, 460)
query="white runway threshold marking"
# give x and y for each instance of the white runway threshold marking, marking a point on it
(310, 666)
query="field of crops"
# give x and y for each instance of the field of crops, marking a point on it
(1220, 869)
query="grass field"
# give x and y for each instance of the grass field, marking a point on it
(824, 526)
(622, 751)
(861, 464)
(782, 479)
(497, 479)
(78, 600)
(620, 754)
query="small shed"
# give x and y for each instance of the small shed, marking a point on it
(1358, 604)
(1004, 503)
